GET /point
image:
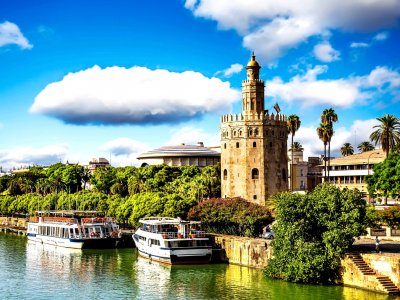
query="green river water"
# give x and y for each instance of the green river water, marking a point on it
(33, 271)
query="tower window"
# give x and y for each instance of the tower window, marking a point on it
(254, 174)
(225, 174)
(254, 197)
(256, 132)
(225, 146)
(270, 144)
(273, 132)
(254, 144)
(251, 132)
(284, 174)
(237, 145)
(234, 133)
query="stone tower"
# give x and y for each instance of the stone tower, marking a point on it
(253, 145)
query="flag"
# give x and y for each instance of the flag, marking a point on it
(277, 108)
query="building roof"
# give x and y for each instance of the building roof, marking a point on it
(368, 157)
(179, 151)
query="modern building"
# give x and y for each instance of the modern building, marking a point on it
(253, 145)
(181, 155)
(350, 171)
(306, 174)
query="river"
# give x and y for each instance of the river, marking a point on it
(33, 271)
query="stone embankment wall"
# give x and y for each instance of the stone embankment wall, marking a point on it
(242, 251)
(13, 222)
(386, 264)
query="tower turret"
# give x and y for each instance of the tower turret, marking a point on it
(253, 88)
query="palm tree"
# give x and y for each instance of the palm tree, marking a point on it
(347, 149)
(387, 132)
(365, 146)
(323, 132)
(293, 124)
(329, 116)
(297, 146)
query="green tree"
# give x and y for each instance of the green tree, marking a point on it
(231, 216)
(329, 117)
(293, 124)
(365, 146)
(103, 179)
(313, 231)
(297, 146)
(387, 133)
(386, 177)
(347, 149)
(323, 132)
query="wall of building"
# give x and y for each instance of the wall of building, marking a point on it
(253, 141)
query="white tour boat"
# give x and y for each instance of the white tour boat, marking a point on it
(172, 241)
(74, 229)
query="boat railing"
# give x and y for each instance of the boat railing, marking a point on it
(178, 235)
(98, 220)
(53, 220)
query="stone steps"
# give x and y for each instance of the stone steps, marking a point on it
(365, 269)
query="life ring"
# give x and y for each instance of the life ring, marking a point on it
(114, 233)
(93, 234)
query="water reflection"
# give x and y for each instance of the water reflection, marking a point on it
(36, 271)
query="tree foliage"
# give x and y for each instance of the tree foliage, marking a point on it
(231, 216)
(313, 231)
(386, 177)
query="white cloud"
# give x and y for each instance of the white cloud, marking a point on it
(124, 151)
(10, 34)
(359, 45)
(272, 27)
(117, 95)
(324, 52)
(233, 69)
(191, 136)
(358, 132)
(310, 91)
(274, 39)
(381, 36)
(25, 156)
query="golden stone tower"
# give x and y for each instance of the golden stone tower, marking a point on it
(253, 145)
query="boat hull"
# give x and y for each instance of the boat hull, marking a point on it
(174, 259)
(100, 243)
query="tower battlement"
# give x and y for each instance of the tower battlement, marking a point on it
(277, 118)
(247, 81)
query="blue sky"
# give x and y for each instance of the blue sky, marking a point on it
(84, 79)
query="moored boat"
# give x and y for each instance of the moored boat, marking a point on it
(74, 229)
(172, 241)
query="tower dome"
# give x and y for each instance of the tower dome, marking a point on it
(252, 62)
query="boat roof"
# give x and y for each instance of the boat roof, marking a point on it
(165, 220)
(81, 213)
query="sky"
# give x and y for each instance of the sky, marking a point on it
(88, 79)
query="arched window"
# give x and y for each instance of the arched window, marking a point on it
(234, 133)
(250, 132)
(237, 144)
(254, 144)
(284, 174)
(256, 132)
(254, 174)
(225, 174)
(225, 146)
(270, 144)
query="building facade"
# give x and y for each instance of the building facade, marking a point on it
(306, 174)
(253, 145)
(181, 155)
(350, 171)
